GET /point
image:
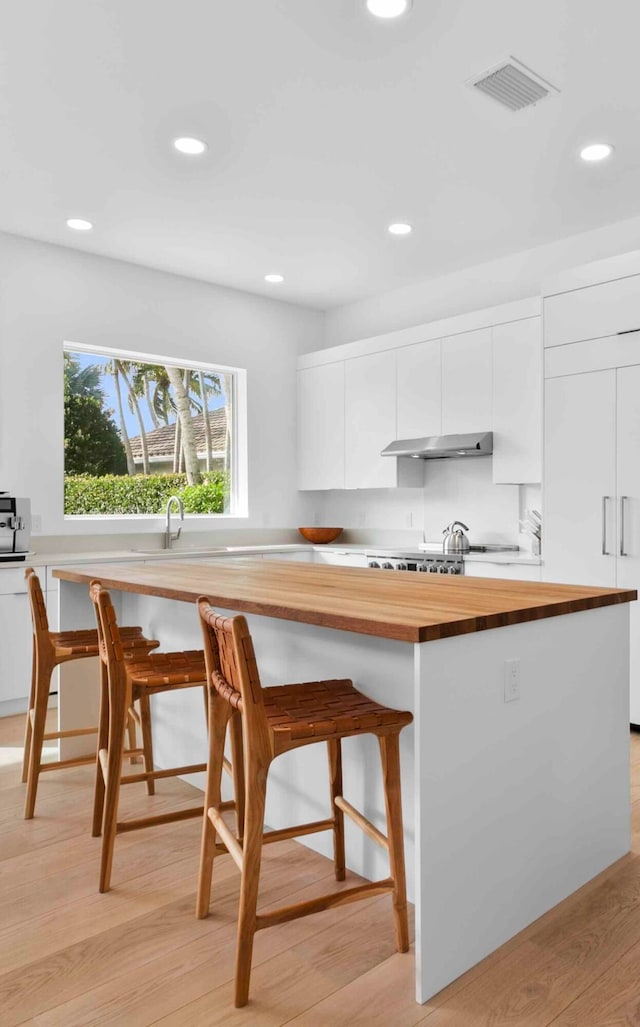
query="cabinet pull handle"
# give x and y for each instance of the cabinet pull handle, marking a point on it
(623, 500)
(605, 551)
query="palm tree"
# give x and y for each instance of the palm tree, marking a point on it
(125, 366)
(113, 368)
(183, 407)
(204, 385)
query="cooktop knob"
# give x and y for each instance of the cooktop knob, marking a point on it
(373, 563)
(386, 566)
(442, 569)
(433, 568)
(453, 569)
(424, 567)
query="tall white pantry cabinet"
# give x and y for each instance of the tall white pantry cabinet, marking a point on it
(592, 435)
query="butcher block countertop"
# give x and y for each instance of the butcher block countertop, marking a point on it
(407, 607)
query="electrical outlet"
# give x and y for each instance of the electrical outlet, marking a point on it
(36, 524)
(511, 680)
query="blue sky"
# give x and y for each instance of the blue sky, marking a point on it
(86, 359)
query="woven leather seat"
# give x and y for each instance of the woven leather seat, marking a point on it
(128, 680)
(319, 710)
(161, 670)
(85, 643)
(50, 649)
(276, 720)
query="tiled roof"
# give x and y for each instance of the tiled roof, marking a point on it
(160, 441)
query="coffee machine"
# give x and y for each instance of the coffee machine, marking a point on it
(15, 527)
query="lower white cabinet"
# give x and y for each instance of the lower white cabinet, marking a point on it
(15, 647)
(340, 559)
(15, 640)
(300, 556)
(509, 571)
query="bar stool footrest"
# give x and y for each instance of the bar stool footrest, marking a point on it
(162, 818)
(77, 761)
(322, 902)
(154, 775)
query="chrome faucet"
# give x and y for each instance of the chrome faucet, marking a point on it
(172, 536)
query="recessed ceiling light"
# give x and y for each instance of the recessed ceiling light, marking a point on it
(596, 152)
(79, 224)
(274, 279)
(400, 228)
(189, 145)
(388, 8)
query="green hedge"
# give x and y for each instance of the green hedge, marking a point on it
(143, 494)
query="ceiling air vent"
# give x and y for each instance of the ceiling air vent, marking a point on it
(513, 84)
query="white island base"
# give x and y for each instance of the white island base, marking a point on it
(508, 806)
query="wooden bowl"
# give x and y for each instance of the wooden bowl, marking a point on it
(320, 536)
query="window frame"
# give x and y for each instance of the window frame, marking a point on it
(238, 499)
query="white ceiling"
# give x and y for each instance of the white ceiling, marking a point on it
(323, 126)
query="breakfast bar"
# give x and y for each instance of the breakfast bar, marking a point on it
(515, 771)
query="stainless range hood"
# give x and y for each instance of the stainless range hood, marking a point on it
(442, 447)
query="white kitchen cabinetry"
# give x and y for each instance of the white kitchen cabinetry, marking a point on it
(321, 426)
(510, 571)
(340, 559)
(15, 647)
(580, 479)
(517, 402)
(300, 556)
(593, 312)
(467, 383)
(592, 488)
(419, 370)
(473, 373)
(15, 641)
(370, 425)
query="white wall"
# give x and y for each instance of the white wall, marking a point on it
(499, 281)
(454, 490)
(50, 294)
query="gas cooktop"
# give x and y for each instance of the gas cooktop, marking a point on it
(426, 563)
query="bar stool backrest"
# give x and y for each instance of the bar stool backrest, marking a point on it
(109, 643)
(36, 602)
(232, 669)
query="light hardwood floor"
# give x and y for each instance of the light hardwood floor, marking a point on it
(138, 956)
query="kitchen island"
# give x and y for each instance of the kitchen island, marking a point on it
(515, 771)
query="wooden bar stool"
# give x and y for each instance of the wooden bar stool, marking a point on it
(127, 681)
(274, 721)
(51, 648)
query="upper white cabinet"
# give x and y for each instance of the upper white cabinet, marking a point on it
(370, 425)
(419, 370)
(592, 312)
(517, 402)
(321, 427)
(473, 373)
(467, 383)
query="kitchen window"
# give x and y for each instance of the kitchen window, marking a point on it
(139, 429)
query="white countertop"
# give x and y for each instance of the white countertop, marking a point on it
(52, 558)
